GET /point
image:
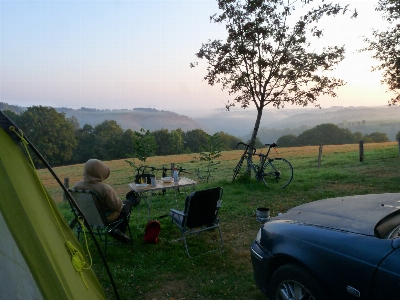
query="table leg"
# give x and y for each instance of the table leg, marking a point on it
(176, 199)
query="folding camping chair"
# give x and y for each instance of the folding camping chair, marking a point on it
(95, 216)
(200, 214)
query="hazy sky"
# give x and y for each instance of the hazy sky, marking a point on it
(125, 54)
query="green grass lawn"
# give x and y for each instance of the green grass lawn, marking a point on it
(163, 271)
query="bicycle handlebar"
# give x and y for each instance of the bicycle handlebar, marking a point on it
(247, 147)
(241, 143)
(273, 145)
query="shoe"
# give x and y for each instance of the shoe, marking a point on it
(119, 236)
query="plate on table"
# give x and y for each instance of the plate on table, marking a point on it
(141, 185)
(167, 179)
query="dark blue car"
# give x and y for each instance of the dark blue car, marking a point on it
(336, 249)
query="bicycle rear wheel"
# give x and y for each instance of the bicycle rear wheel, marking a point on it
(277, 171)
(236, 170)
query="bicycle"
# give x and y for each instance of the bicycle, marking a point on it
(270, 170)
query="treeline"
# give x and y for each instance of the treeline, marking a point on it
(330, 134)
(62, 141)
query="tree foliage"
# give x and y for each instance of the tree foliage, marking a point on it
(175, 142)
(228, 142)
(50, 132)
(267, 58)
(211, 152)
(86, 144)
(195, 139)
(385, 47)
(61, 140)
(144, 145)
(376, 137)
(329, 134)
(161, 137)
(288, 140)
(108, 139)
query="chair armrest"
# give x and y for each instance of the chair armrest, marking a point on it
(178, 212)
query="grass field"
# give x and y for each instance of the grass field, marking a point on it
(163, 271)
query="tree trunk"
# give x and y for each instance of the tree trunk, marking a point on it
(256, 127)
(254, 135)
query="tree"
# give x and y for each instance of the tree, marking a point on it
(228, 142)
(161, 137)
(267, 57)
(397, 136)
(127, 145)
(327, 134)
(377, 137)
(195, 139)
(386, 49)
(108, 138)
(175, 142)
(209, 155)
(50, 132)
(288, 140)
(12, 115)
(358, 136)
(86, 144)
(144, 145)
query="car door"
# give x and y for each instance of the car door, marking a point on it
(386, 284)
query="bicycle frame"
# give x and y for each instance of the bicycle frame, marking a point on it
(263, 157)
(269, 169)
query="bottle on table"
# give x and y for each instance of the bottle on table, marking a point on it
(176, 176)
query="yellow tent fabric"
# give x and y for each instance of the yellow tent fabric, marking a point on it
(32, 246)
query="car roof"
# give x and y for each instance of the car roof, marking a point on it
(358, 214)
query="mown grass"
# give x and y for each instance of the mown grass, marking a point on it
(163, 271)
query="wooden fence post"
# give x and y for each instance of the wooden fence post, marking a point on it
(66, 184)
(172, 169)
(361, 151)
(320, 155)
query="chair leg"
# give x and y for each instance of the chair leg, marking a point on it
(220, 235)
(105, 243)
(187, 248)
(169, 231)
(185, 243)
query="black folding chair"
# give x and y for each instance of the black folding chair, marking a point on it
(200, 214)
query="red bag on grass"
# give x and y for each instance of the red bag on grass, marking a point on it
(152, 231)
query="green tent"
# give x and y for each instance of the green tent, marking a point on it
(35, 262)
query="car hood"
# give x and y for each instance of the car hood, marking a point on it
(358, 214)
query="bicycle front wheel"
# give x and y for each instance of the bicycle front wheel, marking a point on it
(277, 171)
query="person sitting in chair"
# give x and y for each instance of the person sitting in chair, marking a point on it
(95, 172)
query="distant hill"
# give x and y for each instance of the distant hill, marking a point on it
(147, 118)
(240, 122)
(341, 116)
(385, 119)
(15, 108)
